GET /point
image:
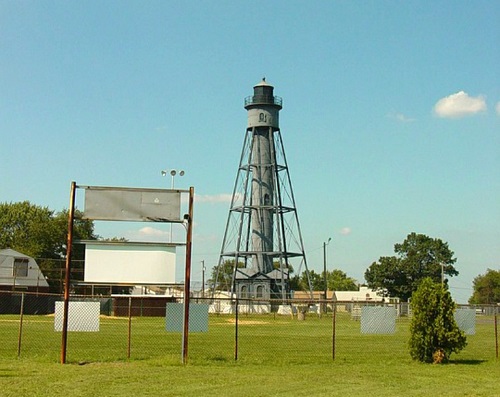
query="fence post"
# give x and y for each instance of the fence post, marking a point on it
(334, 316)
(129, 325)
(187, 277)
(496, 332)
(67, 276)
(20, 336)
(236, 330)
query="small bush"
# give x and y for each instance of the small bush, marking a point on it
(434, 332)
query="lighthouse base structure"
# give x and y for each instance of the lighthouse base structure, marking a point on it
(261, 263)
(257, 285)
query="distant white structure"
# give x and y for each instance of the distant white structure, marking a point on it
(222, 303)
(364, 294)
(20, 272)
(349, 301)
(136, 263)
(352, 301)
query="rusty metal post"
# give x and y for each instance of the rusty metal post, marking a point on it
(20, 336)
(69, 244)
(236, 330)
(187, 278)
(334, 324)
(129, 326)
(496, 332)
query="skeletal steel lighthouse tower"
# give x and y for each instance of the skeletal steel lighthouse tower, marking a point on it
(262, 236)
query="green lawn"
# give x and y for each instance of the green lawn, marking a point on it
(277, 356)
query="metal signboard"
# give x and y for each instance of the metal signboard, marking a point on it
(132, 204)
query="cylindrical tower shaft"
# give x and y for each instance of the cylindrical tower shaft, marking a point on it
(262, 199)
(263, 119)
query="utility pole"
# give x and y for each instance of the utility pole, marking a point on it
(203, 279)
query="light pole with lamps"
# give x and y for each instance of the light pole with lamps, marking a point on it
(324, 269)
(172, 173)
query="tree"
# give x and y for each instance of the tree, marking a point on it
(434, 334)
(83, 229)
(222, 275)
(486, 288)
(301, 283)
(38, 231)
(336, 279)
(28, 229)
(419, 256)
(42, 234)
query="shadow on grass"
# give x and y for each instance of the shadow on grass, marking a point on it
(7, 373)
(465, 362)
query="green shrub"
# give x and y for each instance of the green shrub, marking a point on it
(434, 334)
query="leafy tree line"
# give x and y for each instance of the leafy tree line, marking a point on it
(486, 288)
(420, 257)
(42, 233)
(337, 280)
(38, 231)
(417, 257)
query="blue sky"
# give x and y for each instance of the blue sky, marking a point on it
(391, 116)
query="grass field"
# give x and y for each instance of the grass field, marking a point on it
(277, 356)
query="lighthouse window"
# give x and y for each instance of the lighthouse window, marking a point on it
(262, 117)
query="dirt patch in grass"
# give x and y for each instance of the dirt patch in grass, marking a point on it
(247, 322)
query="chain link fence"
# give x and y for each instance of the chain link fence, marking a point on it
(122, 327)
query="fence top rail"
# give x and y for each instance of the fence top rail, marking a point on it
(239, 301)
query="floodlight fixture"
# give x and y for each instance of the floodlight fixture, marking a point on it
(325, 292)
(173, 173)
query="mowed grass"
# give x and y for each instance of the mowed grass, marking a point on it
(277, 355)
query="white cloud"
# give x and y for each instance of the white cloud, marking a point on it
(497, 108)
(151, 231)
(217, 198)
(459, 105)
(401, 117)
(147, 233)
(345, 231)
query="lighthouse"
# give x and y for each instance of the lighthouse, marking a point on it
(262, 243)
